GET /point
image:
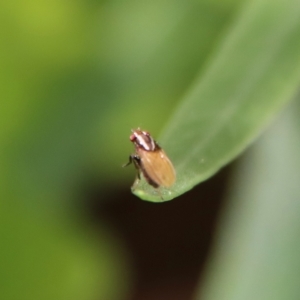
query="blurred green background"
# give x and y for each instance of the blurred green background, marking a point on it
(75, 77)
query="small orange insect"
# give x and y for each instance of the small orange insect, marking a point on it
(151, 160)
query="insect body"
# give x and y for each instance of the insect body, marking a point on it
(151, 160)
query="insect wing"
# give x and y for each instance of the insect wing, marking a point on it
(157, 167)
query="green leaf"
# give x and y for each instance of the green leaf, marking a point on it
(257, 253)
(254, 72)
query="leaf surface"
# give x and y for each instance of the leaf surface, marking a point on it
(252, 74)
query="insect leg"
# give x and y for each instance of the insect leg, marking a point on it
(129, 162)
(135, 159)
(137, 163)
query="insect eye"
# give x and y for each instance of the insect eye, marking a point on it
(132, 137)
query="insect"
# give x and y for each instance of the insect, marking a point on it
(151, 160)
